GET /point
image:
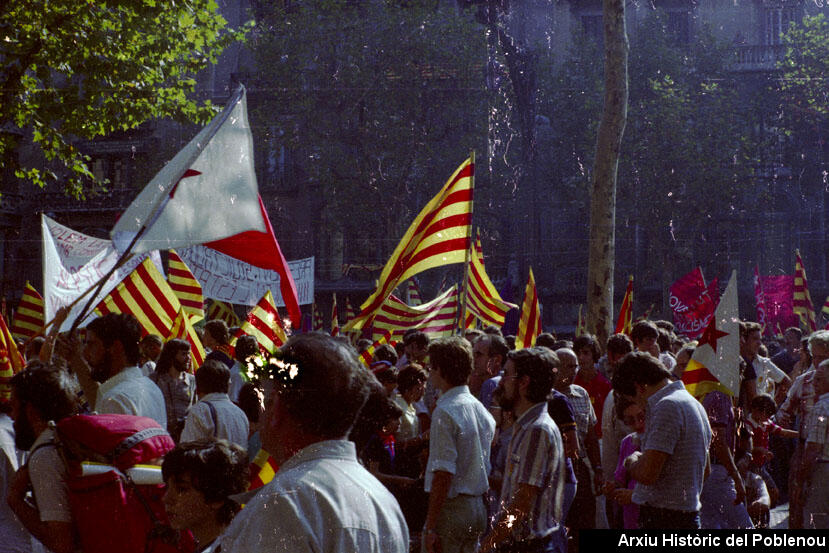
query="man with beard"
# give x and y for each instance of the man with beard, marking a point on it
(40, 394)
(178, 386)
(531, 492)
(111, 351)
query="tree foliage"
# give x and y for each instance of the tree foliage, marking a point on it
(805, 68)
(81, 69)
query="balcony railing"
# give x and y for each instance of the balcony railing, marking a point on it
(759, 58)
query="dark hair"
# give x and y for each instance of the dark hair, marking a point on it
(121, 327)
(246, 345)
(590, 342)
(417, 337)
(620, 403)
(50, 390)
(546, 340)
(510, 339)
(34, 346)
(473, 334)
(664, 340)
(154, 338)
(666, 325)
(218, 330)
(378, 410)
(747, 327)
(493, 330)
(213, 377)
(363, 344)
(619, 344)
(764, 403)
(498, 346)
(541, 365)
(168, 353)
(794, 330)
(638, 367)
(330, 386)
(385, 352)
(217, 469)
(410, 376)
(385, 372)
(452, 357)
(643, 330)
(250, 401)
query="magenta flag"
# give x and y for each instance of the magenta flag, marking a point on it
(693, 303)
(778, 293)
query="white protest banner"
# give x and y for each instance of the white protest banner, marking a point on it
(73, 262)
(227, 279)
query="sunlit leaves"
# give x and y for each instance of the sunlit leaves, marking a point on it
(84, 69)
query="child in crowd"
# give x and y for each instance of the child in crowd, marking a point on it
(634, 417)
(200, 477)
(759, 422)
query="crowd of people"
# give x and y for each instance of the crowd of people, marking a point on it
(453, 444)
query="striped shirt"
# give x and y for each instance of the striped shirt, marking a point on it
(583, 411)
(535, 458)
(675, 424)
(818, 427)
(799, 403)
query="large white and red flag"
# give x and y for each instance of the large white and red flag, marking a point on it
(207, 194)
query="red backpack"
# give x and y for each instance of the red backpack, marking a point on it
(110, 511)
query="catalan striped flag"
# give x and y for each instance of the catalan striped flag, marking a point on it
(183, 330)
(335, 318)
(529, 327)
(262, 469)
(224, 312)
(482, 298)
(367, 356)
(263, 322)
(29, 318)
(715, 364)
(145, 294)
(825, 308)
(349, 310)
(625, 321)
(317, 322)
(436, 318)
(413, 297)
(11, 362)
(803, 306)
(438, 236)
(186, 287)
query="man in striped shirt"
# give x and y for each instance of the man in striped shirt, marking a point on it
(531, 492)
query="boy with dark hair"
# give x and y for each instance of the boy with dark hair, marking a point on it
(200, 478)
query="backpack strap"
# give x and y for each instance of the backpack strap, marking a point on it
(131, 441)
(214, 417)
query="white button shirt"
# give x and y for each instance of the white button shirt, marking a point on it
(231, 422)
(321, 500)
(459, 442)
(131, 393)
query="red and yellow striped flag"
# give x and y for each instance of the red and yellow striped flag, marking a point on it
(580, 329)
(335, 319)
(438, 236)
(183, 330)
(222, 311)
(264, 324)
(802, 305)
(529, 327)
(145, 294)
(367, 356)
(262, 469)
(482, 298)
(436, 318)
(317, 321)
(413, 293)
(11, 362)
(29, 318)
(186, 287)
(625, 321)
(349, 311)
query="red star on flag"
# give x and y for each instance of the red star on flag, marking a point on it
(711, 334)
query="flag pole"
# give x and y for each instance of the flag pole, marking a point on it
(469, 246)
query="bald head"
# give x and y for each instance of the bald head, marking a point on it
(567, 368)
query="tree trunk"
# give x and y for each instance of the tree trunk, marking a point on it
(603, 194)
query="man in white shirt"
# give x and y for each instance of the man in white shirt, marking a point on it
(458, 468)
(215, 416)
(321, 499)
(111, 352)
